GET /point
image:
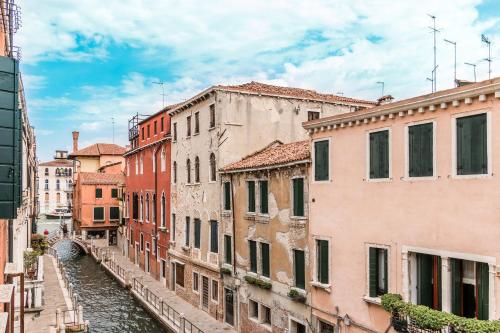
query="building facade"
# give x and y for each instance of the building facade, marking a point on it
(55, 183)
(403, 199)
(147, 195)
(219, 126)
(265, 241)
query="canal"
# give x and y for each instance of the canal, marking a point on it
(107, 306)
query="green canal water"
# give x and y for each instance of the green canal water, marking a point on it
(108, 307)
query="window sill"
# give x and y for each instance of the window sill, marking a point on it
(475, 176)
(227, 266)
(226, 213)
(186, 248)
(162, 229)
(326, 287)
(299, 290)
(416, 179)
(378, 180)
(372, 300)
(299, 218)
(195, 134)
(211, 128)
(265, 218)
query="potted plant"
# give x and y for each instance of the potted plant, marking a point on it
(295, 295)
(30, 259)
(225, 271)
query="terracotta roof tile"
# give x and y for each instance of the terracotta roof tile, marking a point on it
(98, 149)
(275, 154)
(97, 178)
(57, 163)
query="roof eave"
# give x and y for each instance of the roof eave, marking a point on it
(269, 167)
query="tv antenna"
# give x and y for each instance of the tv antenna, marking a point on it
(455, 65)
(113, 128)
(340, 93)
(474, 66)
(382, 83)
(162, 84)
(487, 41)
(434, 72)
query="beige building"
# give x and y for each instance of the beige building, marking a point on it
(219, 126)
(55, 183)
(267, 278)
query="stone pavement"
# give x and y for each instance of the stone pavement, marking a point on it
(197, 316)
(53, 299)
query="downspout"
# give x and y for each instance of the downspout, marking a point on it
(237, 287)
(155, 201)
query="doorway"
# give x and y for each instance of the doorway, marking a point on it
(229, 306)
(147, 264)
(204, 298)
(172, 276)
(136, 258)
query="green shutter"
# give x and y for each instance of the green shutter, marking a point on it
(214, 234)
(227, 196)
(299, 259)
(456, 286)
(483, 291)
(10, 139)
(114, 213)
(373, 271)
(253, 256)
(386, 272)
(264, 252)
(298, 197)
(424, 280)
(228, 249)
(251, 196)
(420, 148)
(321, 160)
(264, 205)
(187, 230)
(472, 155)
(323, 263)
(379, 154)
(197, 233)
(98, 213)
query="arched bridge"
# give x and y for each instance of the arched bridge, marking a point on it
(59, 236)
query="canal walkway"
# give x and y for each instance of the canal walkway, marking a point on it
(53, 299)
(203, 321)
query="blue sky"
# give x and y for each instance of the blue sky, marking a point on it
(85, 63)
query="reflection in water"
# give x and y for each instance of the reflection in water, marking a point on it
(107, 306)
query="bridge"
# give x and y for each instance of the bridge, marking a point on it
(59, 236)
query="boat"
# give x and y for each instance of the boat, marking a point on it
(59, 213)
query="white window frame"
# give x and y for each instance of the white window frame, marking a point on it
(196, 115)
(407, 150)
(216, 301)
(313, 159)
(163, 223)
(314, 280)
(118, 219)
(153, 159)
(103, 214)
(366, 297)
(375, 130)
(251, 317)
(224, 196)
(258, 199)
(306, 206)
(256, 195)
(489, 150)
(299, 321)
(141, 165)
(163, 160)
(192, 283)
(210, 235)
(141, 207)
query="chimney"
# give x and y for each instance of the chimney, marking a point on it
(385, 100)
(75, 140)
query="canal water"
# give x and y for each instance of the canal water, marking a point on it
(108, 307)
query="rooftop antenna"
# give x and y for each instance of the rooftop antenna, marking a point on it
(474, 66)
(113, 126)
(455, 66)
(487, 41)
(340, 93)
(162, 84)
(434, 30)
(382, 83)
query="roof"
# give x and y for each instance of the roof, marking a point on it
(257, 88)
(57, 163)
(98, 178)
(165, 109)
(274, 155)
(108, 165)
(98, 149)
(409, 103)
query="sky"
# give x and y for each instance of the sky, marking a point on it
(90, 65)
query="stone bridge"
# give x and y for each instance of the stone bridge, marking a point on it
(59, 236)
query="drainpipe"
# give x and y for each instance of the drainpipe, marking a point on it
(235, 296)
(155, 201)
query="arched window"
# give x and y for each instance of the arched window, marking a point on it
(188, 171)
(70, 171)
(58, 197)
(46, 171)
(58, 184)
(141, 207)
(153, 211)
(136, 165)
(174, 171)
(46, 196)
(141, 165)
(46, 184)
(163, 161)
(128, 168)
(213, 169)
(153, 159)
(196, 170)
(147, 207)
(163, 201)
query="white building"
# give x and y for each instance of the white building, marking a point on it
(55, 183)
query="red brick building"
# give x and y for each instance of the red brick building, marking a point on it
(147, 195)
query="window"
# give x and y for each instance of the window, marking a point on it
(213, 168)
(128, 168)
(173, 227)
(228, 250)
(377, 271)
(142, 133)
(46, 184)
(379, 154)
(174, 167)
(196, 169)
(325, 327)
(98, 193)
(322, 261)
(46, 171)
(296, 327)
(420, 150)
(186, 235)
(197, 233)
(264, 205)
(264, 254)
(153, 161)
(253, 255)
(472, 150)
(188, 171)
(114, 213)
(251, 196)
(227, 196)
(162, 127)
(163, 211)
(298, 196)
(153, 210)
(135, 206)
(321, 160)
(212, 115)
(163, 160)
(214, 236)
(155, 127)
(149, 132)
(428, 279)
(136, 165)
(175, 131)
(196, 281)
(46, 197)
(141, 165)
(188, 126)
(141, 209)
(163, 267)
(141, 242)
(179, 274)
(58, 184)
(215, 291)
(98, 213)
(253, 309)
(196, 123)
(147, 207)
(312, 115)
(299, 268)
(266, 315)
(114, 193)
(58, 197)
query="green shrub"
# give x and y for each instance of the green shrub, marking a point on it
(296, 296)
(258, 282)
(225, 271)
